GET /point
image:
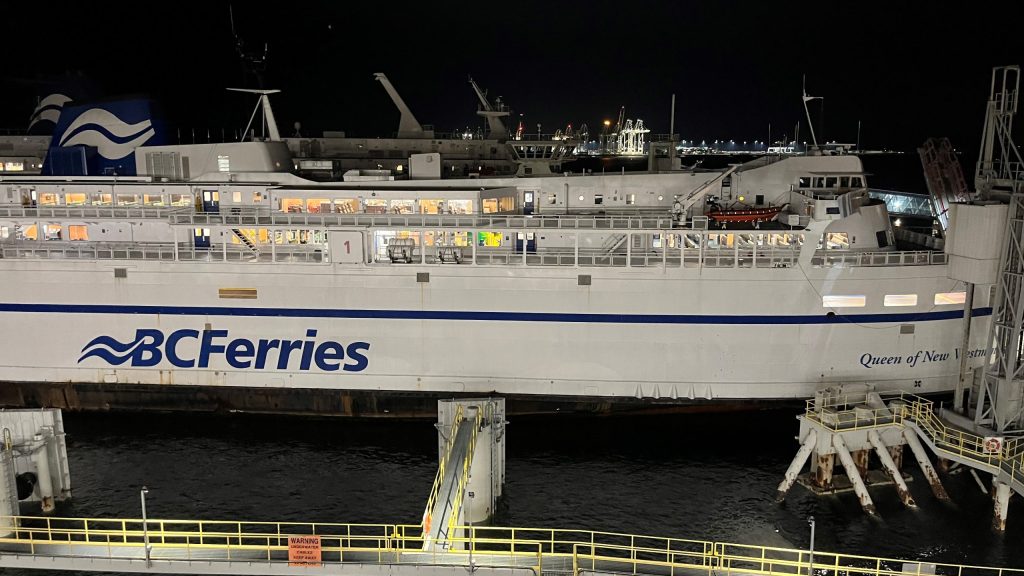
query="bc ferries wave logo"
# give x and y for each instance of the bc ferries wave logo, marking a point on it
(112, 137)
(48, 110)
(194, 349)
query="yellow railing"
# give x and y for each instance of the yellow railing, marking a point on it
(467, 462)
(402, 544)
(442, 465)
(849, 412)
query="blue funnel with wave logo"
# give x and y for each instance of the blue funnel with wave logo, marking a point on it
(100, 138)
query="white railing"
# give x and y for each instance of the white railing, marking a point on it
(688, 257)
(235, 217)
(88, 212)
(849, 258)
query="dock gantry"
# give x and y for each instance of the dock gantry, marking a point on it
(984, 430)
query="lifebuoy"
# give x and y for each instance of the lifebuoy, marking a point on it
(993, 445)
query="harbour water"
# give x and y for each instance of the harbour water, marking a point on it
(701, 476)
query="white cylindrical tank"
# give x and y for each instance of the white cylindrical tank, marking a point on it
(41, 459)
(478, 502)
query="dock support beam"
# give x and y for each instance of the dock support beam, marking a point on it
(823, 465)
(1001, 499)
(890, 467)
(925, 464)
(796, 465)
(851, 470)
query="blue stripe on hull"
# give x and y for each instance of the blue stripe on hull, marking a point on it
(491, 316)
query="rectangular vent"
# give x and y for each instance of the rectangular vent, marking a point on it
(120, 272)
(583, 280)
(423, 276)
(237, 293)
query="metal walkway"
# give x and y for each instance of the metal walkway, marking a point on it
(904, 203)
(205, 547)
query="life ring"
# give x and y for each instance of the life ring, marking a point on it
(993, 445)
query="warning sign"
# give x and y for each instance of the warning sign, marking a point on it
(304, 551)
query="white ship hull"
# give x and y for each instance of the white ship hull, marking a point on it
(671, 334)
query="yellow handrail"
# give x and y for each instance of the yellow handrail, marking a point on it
(435, 489)
(921, 412)
(399, 543)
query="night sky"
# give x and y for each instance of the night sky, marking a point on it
(908, 71)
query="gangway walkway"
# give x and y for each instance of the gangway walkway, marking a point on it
(444, 506)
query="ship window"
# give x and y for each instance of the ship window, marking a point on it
(291, 205)
(856, 182)
(489, 239)
(181, 200)
(47, 199)
(24, 232)
(236, 197)
(838, 240)
(402, 206)
(14, 166)
(74, 199)
(630, 199)
(5, 232)
(429, 206)
(318, 205)
(127, 199)
(831, 181)
(843, 301)
(376, 206)
(598, 198)
(52, 232)
(78, 232)
(223, 163)
(153, 200)
(901, 300)
(346, 205)
(819, 182)
(944, 298)
(460, 206)
(101, 199)
(804, 182)
(844, 182)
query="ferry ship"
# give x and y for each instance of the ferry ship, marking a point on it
(210, 277)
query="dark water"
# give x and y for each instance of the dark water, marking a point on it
(690, 476)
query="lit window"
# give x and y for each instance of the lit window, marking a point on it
(901, 299)
(236, 197)
(944, 298)
(837, 301)
(224, 163)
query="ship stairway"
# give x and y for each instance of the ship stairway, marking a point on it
(612, 244)
(701, 191)
(244, 238)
